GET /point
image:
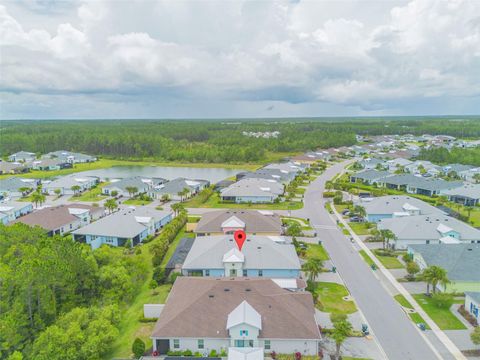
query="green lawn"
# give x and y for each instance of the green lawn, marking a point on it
(289, 221)
(329, 298)
(92, 195)
(366, 257)
(415, 317)
(214, 202)
(360, 228)
(300, 191)
(390, 262)
(137, 202)
(316, 251)
(442, 317)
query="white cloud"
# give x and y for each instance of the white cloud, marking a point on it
(355, 55)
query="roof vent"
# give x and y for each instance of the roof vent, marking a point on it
(211, 296)
(248, 290)
(259, 247)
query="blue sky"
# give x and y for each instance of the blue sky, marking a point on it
(166, 59)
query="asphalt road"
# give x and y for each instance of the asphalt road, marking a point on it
(395, 332)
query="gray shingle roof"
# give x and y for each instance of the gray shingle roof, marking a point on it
(422, 183)
(425, 227)
(471, 191)
(371, 175)
(396, 203)
(253, 187)
(14, 183)
(122, 223)
(462, 261)
(141, 183)
(176, 185)
(261, 252)
(474, 295)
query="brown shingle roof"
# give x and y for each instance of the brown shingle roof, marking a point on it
(52, 218)
(199, 307)
(254, 221)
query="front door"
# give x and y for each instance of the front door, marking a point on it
(233, 272)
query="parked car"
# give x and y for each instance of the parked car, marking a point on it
(345, 212)
(357, 219)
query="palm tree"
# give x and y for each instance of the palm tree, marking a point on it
(132, 190)
(111, 205)
(186, 192)
(313, 267)
(38, 198)
(341, 330)
(57, 192)
(180, 194)
(469, 210)
(75, 189)
(165, 198)
(360, 211)
(387, 236)
(434, 275)
(177, 208)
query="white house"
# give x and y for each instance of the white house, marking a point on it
(65, 184)
(205, 314)
(472, 304)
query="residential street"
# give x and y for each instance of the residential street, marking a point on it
(396, 333)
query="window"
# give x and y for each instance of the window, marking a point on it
(266, 344)
(207, 273)
(245, 272)
(176, 343)
(200, 344)
(243, 332)
(427, 242)
(260, 272)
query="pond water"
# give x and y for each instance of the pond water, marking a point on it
(167, 172)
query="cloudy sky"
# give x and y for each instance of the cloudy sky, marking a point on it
(180, 59)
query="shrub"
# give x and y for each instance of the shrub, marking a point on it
(159, 275)
(337, 317)
(442, 300)
(213, 353)
(144, 319)
(138, 348)
(407, 257)
(152, 284)
(223, 353)
(187, 353)
(469, 317)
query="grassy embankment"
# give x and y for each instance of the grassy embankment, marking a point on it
(443, 317)
(131, 327)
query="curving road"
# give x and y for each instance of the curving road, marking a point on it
(397, 335)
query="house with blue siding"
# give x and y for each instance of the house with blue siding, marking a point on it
(261, 256)
(130, 224)
(252, 190)
(12, 210)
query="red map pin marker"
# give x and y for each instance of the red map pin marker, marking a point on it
(240, 238)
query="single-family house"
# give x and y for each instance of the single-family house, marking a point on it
(369, 177)
(22, 156)
(371, 163)
(456, 169)
(471, 175)
(205, 314)
(394, 206)
(290, 166)
(13, 167)
(421, 167)
(468, 194)
(65, 184)
(253, 222)
(415, 184)
(13, 186)
(218, 256)
(50, 164)
(63, 219)
(142, 184)
(174, 187)
(252, 190)
(429, 229)
(472, 304)
(282, 176)
(461, 261)
(11, 210)
(69, 157)
(397, 164)
(127, 225)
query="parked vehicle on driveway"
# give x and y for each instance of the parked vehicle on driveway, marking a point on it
(357, 219)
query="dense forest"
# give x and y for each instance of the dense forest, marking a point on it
(210, 141)
(456, 155)
(58, 298)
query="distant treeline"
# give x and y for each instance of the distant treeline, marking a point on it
(456, 155)
(207, 141)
